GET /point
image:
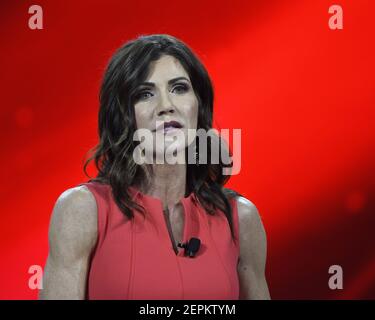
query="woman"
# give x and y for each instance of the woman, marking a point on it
(154, 230)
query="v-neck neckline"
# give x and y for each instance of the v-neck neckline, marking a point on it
(169, 235)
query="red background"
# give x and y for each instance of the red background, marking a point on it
(303, 95)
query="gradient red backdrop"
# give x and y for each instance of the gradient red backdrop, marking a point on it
(302, 94)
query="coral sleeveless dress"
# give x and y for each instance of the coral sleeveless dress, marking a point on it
(135, 259)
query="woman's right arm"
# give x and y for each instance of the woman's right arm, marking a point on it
(72, 237)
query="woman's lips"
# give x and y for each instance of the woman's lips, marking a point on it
(169, 126)
(170, 129)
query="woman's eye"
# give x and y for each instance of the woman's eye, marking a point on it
(181, 88)
(143, 95)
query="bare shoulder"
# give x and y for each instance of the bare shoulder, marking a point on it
(247, 211)
(248, 215)
(73, 225)
(253, 239)
(77, 198)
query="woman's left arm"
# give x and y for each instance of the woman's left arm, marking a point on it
(253, 252)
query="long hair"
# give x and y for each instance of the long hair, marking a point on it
(113, 155)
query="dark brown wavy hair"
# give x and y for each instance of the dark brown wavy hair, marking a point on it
(113, 155)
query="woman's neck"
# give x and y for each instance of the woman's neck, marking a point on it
(168, 183)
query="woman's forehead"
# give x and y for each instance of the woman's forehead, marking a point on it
(166, 68)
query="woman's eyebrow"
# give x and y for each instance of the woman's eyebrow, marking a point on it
(151, 84)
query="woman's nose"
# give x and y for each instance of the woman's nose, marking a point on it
(165, 105)
(165, 110)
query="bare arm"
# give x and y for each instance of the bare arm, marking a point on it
(72, 236)
(253, 253)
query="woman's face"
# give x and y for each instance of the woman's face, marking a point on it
(166, 105)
